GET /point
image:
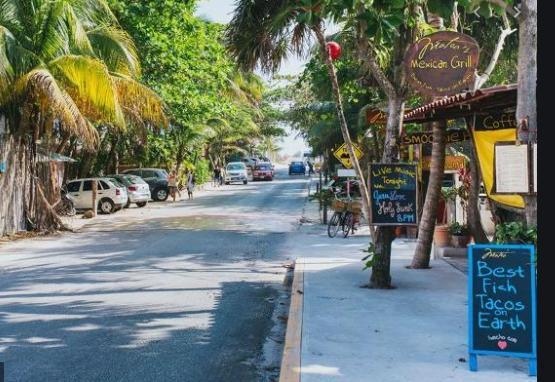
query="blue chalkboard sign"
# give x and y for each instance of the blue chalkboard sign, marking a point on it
(502, 302)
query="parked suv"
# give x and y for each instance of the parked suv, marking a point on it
(137, 189)
(236, 172)
(110, 197)
(157, 180)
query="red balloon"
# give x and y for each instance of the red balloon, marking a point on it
(334, 49)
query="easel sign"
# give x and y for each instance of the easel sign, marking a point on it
(502, 303)
(514, 170)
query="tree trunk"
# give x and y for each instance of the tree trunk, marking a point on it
(342, 120)
(526, 114)
(384, 235)
(426, 228)
(472, 211)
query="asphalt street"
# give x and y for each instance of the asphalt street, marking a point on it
(185, 291)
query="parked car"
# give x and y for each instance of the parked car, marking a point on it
(250, 162)
(263, 171)
(157, 180)
(297, 168)
(236, 172)
(110, 196)
(138, 190)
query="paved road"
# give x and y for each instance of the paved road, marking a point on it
(187, 291)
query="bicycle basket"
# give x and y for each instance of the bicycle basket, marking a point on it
(338, 205)
(355, 207)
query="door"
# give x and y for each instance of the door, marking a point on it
(74, 189)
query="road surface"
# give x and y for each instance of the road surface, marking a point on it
(185, 291)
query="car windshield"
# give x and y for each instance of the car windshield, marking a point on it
(297, 163)
(132, 179)
(235, 166)
(263, 168)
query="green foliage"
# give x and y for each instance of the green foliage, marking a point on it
(517, 233)
(369, 259)
(457, 229)
(202, 171)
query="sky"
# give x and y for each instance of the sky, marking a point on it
(221, 11)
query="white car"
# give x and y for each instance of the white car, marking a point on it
(109, 196)
(236, 172)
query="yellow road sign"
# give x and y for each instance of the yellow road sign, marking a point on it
(342, 154)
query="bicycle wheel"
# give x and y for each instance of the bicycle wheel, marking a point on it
(333, 224)
(348, 223)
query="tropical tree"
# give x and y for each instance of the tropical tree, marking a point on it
(64, 66)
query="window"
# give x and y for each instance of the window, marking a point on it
(87, 185)
(149, 174)
(74, 186)
(235, 166)
(134, 172)
(104, 185)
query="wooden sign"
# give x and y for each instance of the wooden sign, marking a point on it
(442, 63)
(343, 156)
(452, 162)
(428, 137)
(393, 194)
(376, 117)
(495, 121)
(502, 302)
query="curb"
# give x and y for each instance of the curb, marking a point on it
(290, 370)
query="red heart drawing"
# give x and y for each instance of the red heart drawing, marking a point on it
(502, 344)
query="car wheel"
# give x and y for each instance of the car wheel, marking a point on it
(160, 194)
(141, 204)
(227, 183)
(245, 181)
(106, 206)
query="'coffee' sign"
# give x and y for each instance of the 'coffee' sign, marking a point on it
(502, 302)
(442, 63)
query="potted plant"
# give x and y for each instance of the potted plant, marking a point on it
(441, 231)
(460, 234)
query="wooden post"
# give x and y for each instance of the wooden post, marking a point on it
(94, 189)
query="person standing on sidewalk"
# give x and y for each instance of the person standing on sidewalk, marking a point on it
(172, 184)
(310, 168)
(191, 184)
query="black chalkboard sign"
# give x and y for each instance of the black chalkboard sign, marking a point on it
(393, 194)
(502, 302)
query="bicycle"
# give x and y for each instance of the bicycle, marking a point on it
(344, 216)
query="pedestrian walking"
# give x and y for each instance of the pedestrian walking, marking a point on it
(217, 176)
(191, 184)
(172, 184)
(310, 168)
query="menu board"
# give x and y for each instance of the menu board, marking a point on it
(502, 300)
(511, 169)
(393, 194)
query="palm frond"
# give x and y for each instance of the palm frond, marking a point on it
(140, 102)
(39, 87)
(90, 84)
(116, 48)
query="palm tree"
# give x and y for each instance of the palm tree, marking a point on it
(64, 66)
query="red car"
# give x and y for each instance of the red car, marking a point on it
(263, 171)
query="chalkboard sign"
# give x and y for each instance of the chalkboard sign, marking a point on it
(502, 302)
(393, 194)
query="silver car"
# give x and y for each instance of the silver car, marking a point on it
(137, 189)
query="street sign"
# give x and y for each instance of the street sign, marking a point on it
(346, 173)
(502, 302)
(342, 154)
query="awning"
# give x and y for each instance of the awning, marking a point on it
(460, 105)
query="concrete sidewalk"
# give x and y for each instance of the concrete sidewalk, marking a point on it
(416, 332)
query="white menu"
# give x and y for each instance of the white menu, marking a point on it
(511, 168)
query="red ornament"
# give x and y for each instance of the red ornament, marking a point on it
(334, 50)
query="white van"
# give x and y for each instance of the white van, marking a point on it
(236, 172)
